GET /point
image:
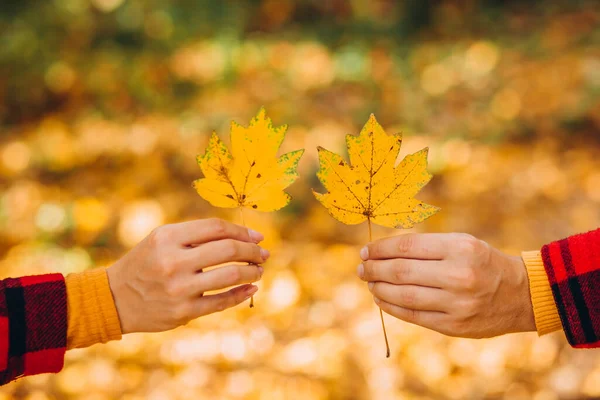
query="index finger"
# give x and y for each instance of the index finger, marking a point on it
(419, 246)
(207, 230)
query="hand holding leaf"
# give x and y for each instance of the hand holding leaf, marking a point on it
(252, 175)
(371, 187)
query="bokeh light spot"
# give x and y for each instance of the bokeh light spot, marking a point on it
(481, 57)
(138, 219)
(90, 214)
(51, 217)
(107, 5)
(16, 156)
(284, 291)
(437, 79)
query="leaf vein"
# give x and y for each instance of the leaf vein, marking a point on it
(396, 187)
(345, 184)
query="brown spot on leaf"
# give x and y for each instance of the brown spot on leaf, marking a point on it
(229, 196)
(341, 163)
(258, 175)
(254, 206)
(357, 181)
(253, 163)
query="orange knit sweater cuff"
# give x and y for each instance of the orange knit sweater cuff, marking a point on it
(92, 315)
(546, 315)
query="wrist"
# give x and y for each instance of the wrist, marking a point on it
(524, 317)
(118, 290)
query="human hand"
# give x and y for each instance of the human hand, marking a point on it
(159, 285)
(452, 283)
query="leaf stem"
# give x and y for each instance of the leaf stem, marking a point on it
(244, 224)
(242, 215)
(387, 344)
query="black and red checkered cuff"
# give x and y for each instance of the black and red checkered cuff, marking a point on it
(573, 269)
(33, 325)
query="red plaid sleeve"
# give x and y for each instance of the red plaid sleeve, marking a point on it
(573, 268)
(33, 325)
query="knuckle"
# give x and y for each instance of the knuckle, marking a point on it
(181, 314)
(401, 273)
(182, 319)
(231, 249)
(470, 308)
(467, 244)
(223, 303)
(457, 328)
(465, 236)
(405, 243)
(405, 314)
(153, 236)
(471, 246)
(218, 226)
(234, 274)
(258, 258)
(160, 235)
(165, 267)
(179, 263)
(468, 278)
(409, 298)
(173, 290)
(412, 315)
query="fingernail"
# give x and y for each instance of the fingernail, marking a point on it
(251, 290)
(264, 253)
(261, 270)
(364, 253)
(360, 270)
(255, 236)
(371, 284)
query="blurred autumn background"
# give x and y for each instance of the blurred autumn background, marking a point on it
(104, 105)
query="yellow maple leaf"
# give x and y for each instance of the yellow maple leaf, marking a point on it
(251, 175)
(371, 187)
